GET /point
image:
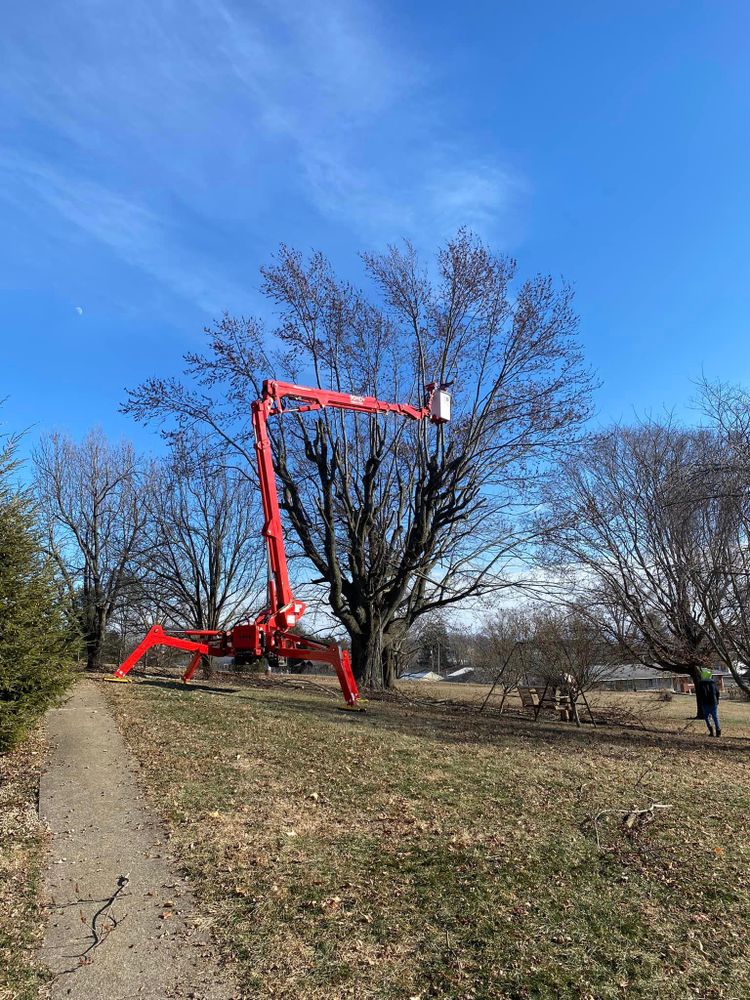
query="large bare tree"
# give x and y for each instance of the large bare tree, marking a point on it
(90, 501)
(397, 519)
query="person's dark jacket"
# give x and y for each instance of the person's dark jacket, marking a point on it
(708, 693)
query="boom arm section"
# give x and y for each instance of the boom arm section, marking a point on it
(317, 399)
(284, 610)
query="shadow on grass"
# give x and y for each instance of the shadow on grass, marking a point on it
(169, 685)
(461, 727)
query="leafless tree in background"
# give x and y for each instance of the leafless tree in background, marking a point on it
(717, 489)
(398, 519)
(430, 645)
(204, 563)
(90, 500)
(639, 560)
(504, 651)
(568, 642)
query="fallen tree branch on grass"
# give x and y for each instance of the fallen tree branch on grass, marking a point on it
(631, 820)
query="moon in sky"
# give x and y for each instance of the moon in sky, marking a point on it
(79, 310)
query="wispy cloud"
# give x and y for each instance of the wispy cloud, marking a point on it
(140, 119)
(356, 77)
(132, 231)
(444, 196)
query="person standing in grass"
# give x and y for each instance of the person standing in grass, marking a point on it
(708, 699)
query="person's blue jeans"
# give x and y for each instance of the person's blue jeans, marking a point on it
(711, 712)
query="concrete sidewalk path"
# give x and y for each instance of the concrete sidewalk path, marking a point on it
(121, 925)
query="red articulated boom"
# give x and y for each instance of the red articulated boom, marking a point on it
(270, 634)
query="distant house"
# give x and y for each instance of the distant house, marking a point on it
(421, 675)
(460, 676)
(635, 677)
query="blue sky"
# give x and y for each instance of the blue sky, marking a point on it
(154, 153)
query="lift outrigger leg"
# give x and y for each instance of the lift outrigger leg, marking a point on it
(156, 636)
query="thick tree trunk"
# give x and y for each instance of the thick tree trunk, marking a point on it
(92, 654)
(389, 667)
(94, 644)
(95, 633)
(367, 665)
(373, 664)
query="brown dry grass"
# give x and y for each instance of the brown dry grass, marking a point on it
(420, 851)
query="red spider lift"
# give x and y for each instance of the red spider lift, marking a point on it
(270, 634)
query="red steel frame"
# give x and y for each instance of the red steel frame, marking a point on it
(270, 632)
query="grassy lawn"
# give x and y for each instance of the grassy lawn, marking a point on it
(420, 852)
(22, 857)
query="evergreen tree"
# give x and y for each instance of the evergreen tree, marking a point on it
(36, 644)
